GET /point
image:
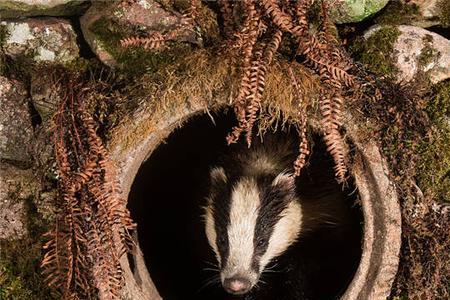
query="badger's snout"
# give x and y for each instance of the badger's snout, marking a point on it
(237, 285)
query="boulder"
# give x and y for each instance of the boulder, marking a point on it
(418, 50)
(17, 186)
(27, 8)
(16, 130)
(105, 24)
(432, 12)
(48, 39)
(421, 13)
(350, 11)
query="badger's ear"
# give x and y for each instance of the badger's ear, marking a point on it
(285, 181)
(218, 175)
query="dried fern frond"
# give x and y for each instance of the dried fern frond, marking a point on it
(257, 36)
(226, 9)
(320, 52)
(300, 162)
(91, 233)
(261, 62)
(154, 41)
(249, 35)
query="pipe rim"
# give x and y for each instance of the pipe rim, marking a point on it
(381, 210)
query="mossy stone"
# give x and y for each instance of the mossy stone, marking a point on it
(376, 50)
(350, 11)
(10, 9)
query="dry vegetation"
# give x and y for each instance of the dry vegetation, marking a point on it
(255, 30)
(92, 228)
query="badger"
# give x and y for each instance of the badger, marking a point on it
(256, 210)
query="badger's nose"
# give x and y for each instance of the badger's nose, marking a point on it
(237, 285)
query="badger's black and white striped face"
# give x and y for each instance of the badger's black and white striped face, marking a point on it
(250, 221)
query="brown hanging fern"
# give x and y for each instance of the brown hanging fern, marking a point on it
(301, 128)
(91, 233)
(321, 53)
(153, 41)
(258, 35)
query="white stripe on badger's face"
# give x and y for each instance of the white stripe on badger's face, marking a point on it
(244, 210)
(210, 230)
(285, 232)
(217, 174)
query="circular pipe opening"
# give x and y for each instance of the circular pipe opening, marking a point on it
(381, 211)
(166, 200)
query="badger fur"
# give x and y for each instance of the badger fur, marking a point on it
(256, 211)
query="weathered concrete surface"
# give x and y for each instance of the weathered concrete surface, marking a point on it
(382, 225)
(350, 11)
(48, 39)
(419, 50)
(28, 8)
(382, 218)
(16, 129)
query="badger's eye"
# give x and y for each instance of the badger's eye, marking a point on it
(262, 243)
(221, 240)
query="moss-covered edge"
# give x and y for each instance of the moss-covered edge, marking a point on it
(376, 51)
(3, 38)
(134, 60)
(443, 7)
(398, 13)
(434, 167)
(428, 54)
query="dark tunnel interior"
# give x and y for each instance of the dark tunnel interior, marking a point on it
(166, 202)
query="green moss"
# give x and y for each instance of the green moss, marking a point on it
(428, 53)
(134, 60)
(398, 13)
(3, 37)
(376, 51)
(434, 170)
(20, 274)
(444, 12)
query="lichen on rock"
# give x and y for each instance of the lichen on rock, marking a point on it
(16, 129)
(404, 51)
(21, 239)
(17, 186)
(104, 26)
(49, 39)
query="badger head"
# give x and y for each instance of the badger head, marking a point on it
(249, 221)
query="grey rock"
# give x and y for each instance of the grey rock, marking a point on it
(49, 39)
(146, 15)
(16, 186)
(44, 94)
(430, 12)
(26, 8)
(419, 50)
(16, 129)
